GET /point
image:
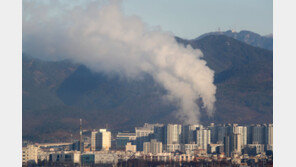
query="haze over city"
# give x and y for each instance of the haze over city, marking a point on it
(198, 75)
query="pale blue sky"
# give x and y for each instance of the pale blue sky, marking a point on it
(191, 18)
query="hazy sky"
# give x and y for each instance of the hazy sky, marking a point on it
(191, 18)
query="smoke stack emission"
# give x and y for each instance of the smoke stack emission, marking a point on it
(99, 35)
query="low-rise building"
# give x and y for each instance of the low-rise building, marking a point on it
(105, 158)
(254, 149)
(130, 147)
(173, 147)
(153, 147)
(30, 154)
(65, 157)
(165, 157)
(189, 148)
(185, 157)
(123, 138)
(87, 159)
(213, 148)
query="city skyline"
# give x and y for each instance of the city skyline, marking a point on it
(168, 142)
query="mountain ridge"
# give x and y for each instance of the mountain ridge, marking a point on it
(57, 94)
(248, 37)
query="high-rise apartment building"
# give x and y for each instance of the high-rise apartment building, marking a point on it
(203, 138)
(159, 133)
(188, 135)
(232, 143)
(214, 133)
(241, 130)
(93, 140)
(222, 132)
(236, 142)
(103, 140)
(269, 136)
(173, 133)
(227, 145)
(257, 134)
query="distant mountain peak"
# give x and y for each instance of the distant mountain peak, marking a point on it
(269, 35)
(248, 37)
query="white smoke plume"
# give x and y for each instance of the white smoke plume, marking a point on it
(100, 36)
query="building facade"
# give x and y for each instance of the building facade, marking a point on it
(30, 153)
(203, 138)
(241, 130)
(93, 140)
(153, 147)
(173, 133)
(269, 136)
(130, 147)
(103, 140)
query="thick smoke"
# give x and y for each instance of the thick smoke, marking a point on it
(100, 36)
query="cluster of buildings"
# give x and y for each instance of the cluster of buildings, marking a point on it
(162, 143)
(213, 139)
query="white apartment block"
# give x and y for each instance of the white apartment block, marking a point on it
(30, 153)
(269, 135)
(130, 147)
(242, 131)
(153, 147)
(173, 134)
(203, 138)
(103, 140)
